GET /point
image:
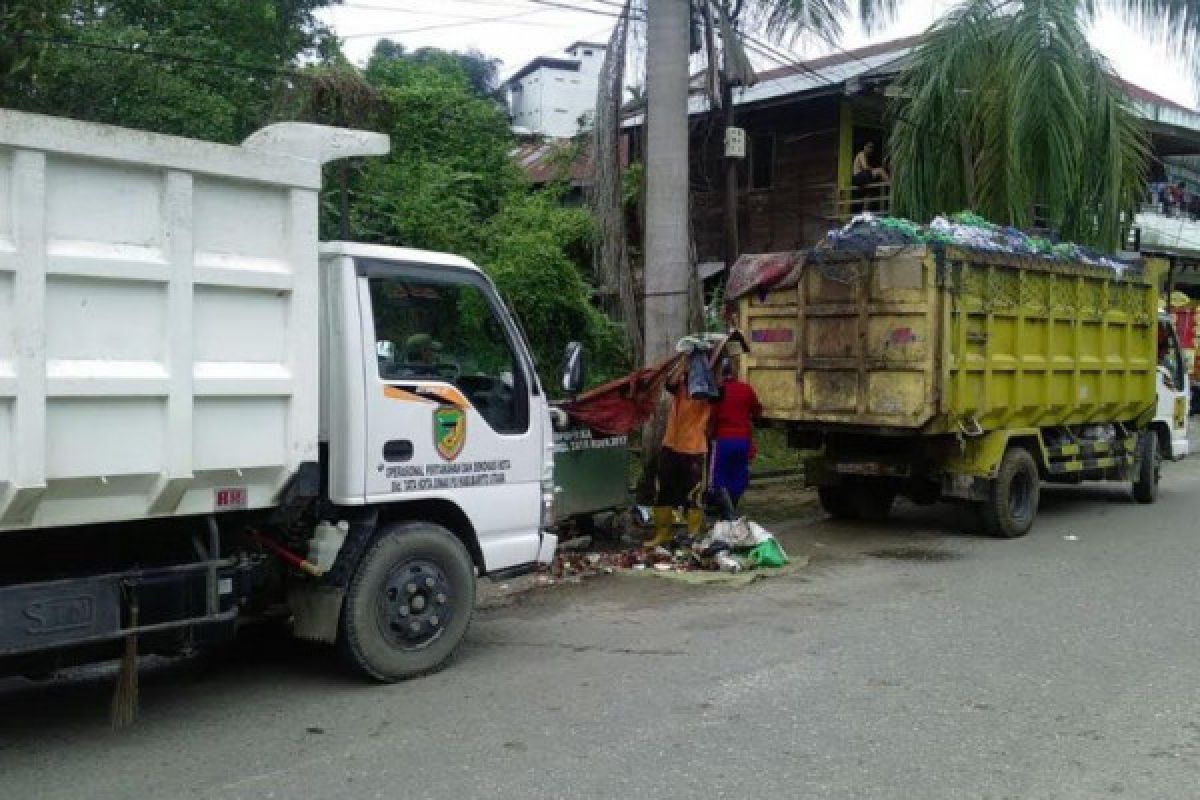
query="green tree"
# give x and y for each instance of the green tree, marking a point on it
(449, 167)
(210, 69)
(1007, 109)
(533, 251)
(481, 71)
(25, 28)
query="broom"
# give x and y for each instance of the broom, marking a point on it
(125, 696)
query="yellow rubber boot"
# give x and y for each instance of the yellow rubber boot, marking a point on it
(695, 522)
(663, 518)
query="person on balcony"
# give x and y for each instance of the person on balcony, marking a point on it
(866, 178)
(865, 172)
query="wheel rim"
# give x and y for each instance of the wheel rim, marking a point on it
(1020, 496)
(415, 604)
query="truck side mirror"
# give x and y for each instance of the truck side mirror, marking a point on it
(573, 373)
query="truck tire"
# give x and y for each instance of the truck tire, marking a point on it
(838, 501)
(1150, 458)
(1013, 499)
(409, 603)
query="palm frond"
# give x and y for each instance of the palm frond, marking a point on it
(784, 21)
(1174, 23)
(1008, 110)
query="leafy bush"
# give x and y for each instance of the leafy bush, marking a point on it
(527, 255)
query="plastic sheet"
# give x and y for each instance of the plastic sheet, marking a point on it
(864, 234)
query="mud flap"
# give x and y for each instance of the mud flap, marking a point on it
(316, 611)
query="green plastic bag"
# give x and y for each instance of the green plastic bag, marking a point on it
(767, 554)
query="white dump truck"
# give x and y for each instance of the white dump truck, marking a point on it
(207, 417)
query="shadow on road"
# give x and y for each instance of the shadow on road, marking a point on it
(261, 658)
(941, 524)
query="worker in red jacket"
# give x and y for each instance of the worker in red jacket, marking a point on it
(733, 434)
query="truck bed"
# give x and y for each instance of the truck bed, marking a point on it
(921, 340)
(158, 318)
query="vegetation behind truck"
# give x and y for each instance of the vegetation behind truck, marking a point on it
(944, 373)
(204, 413)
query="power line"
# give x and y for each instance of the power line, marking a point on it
(583, 9)
(442, 26)
(135, 50)
(564, 5)
(442, 14)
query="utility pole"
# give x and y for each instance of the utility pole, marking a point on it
(732, 236)
(730, 16)
(667, 250)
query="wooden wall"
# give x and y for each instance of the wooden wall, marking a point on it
(793, 212)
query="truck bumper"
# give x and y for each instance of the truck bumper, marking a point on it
(94, 609)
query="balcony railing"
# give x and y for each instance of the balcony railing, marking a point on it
(851, 200)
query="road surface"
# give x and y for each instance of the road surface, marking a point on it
(907, 661)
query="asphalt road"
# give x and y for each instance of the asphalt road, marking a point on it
(906, 662)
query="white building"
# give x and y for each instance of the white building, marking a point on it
(550, 96)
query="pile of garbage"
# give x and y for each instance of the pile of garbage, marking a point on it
(966, 230)
(731, 546)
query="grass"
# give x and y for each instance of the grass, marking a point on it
(774, 453)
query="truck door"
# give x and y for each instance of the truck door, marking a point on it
(453, 404)
(1172, 388)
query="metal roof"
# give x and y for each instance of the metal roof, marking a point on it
(844, 71)
(564, 64)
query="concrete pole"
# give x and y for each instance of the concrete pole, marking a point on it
(667, 251)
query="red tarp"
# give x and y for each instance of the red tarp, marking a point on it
(763, 271)
(622, 406)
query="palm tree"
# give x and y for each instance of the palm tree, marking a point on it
(1006, 108)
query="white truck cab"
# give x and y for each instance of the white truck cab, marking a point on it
(429, 394)
(1173, 393)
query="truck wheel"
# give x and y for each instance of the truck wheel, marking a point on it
(409, 603)
(838, 501)
(1150, 458)
(1013, 500)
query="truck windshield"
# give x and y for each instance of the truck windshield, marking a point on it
(432, 331)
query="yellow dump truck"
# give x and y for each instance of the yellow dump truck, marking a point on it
(941, 373)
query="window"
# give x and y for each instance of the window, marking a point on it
(431, 330)
(587, 52)
(762, 160)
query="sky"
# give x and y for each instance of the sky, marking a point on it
(516, 31)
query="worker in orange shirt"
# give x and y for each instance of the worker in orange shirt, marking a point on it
(680, 475)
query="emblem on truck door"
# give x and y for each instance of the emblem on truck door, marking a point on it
(449, 431)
